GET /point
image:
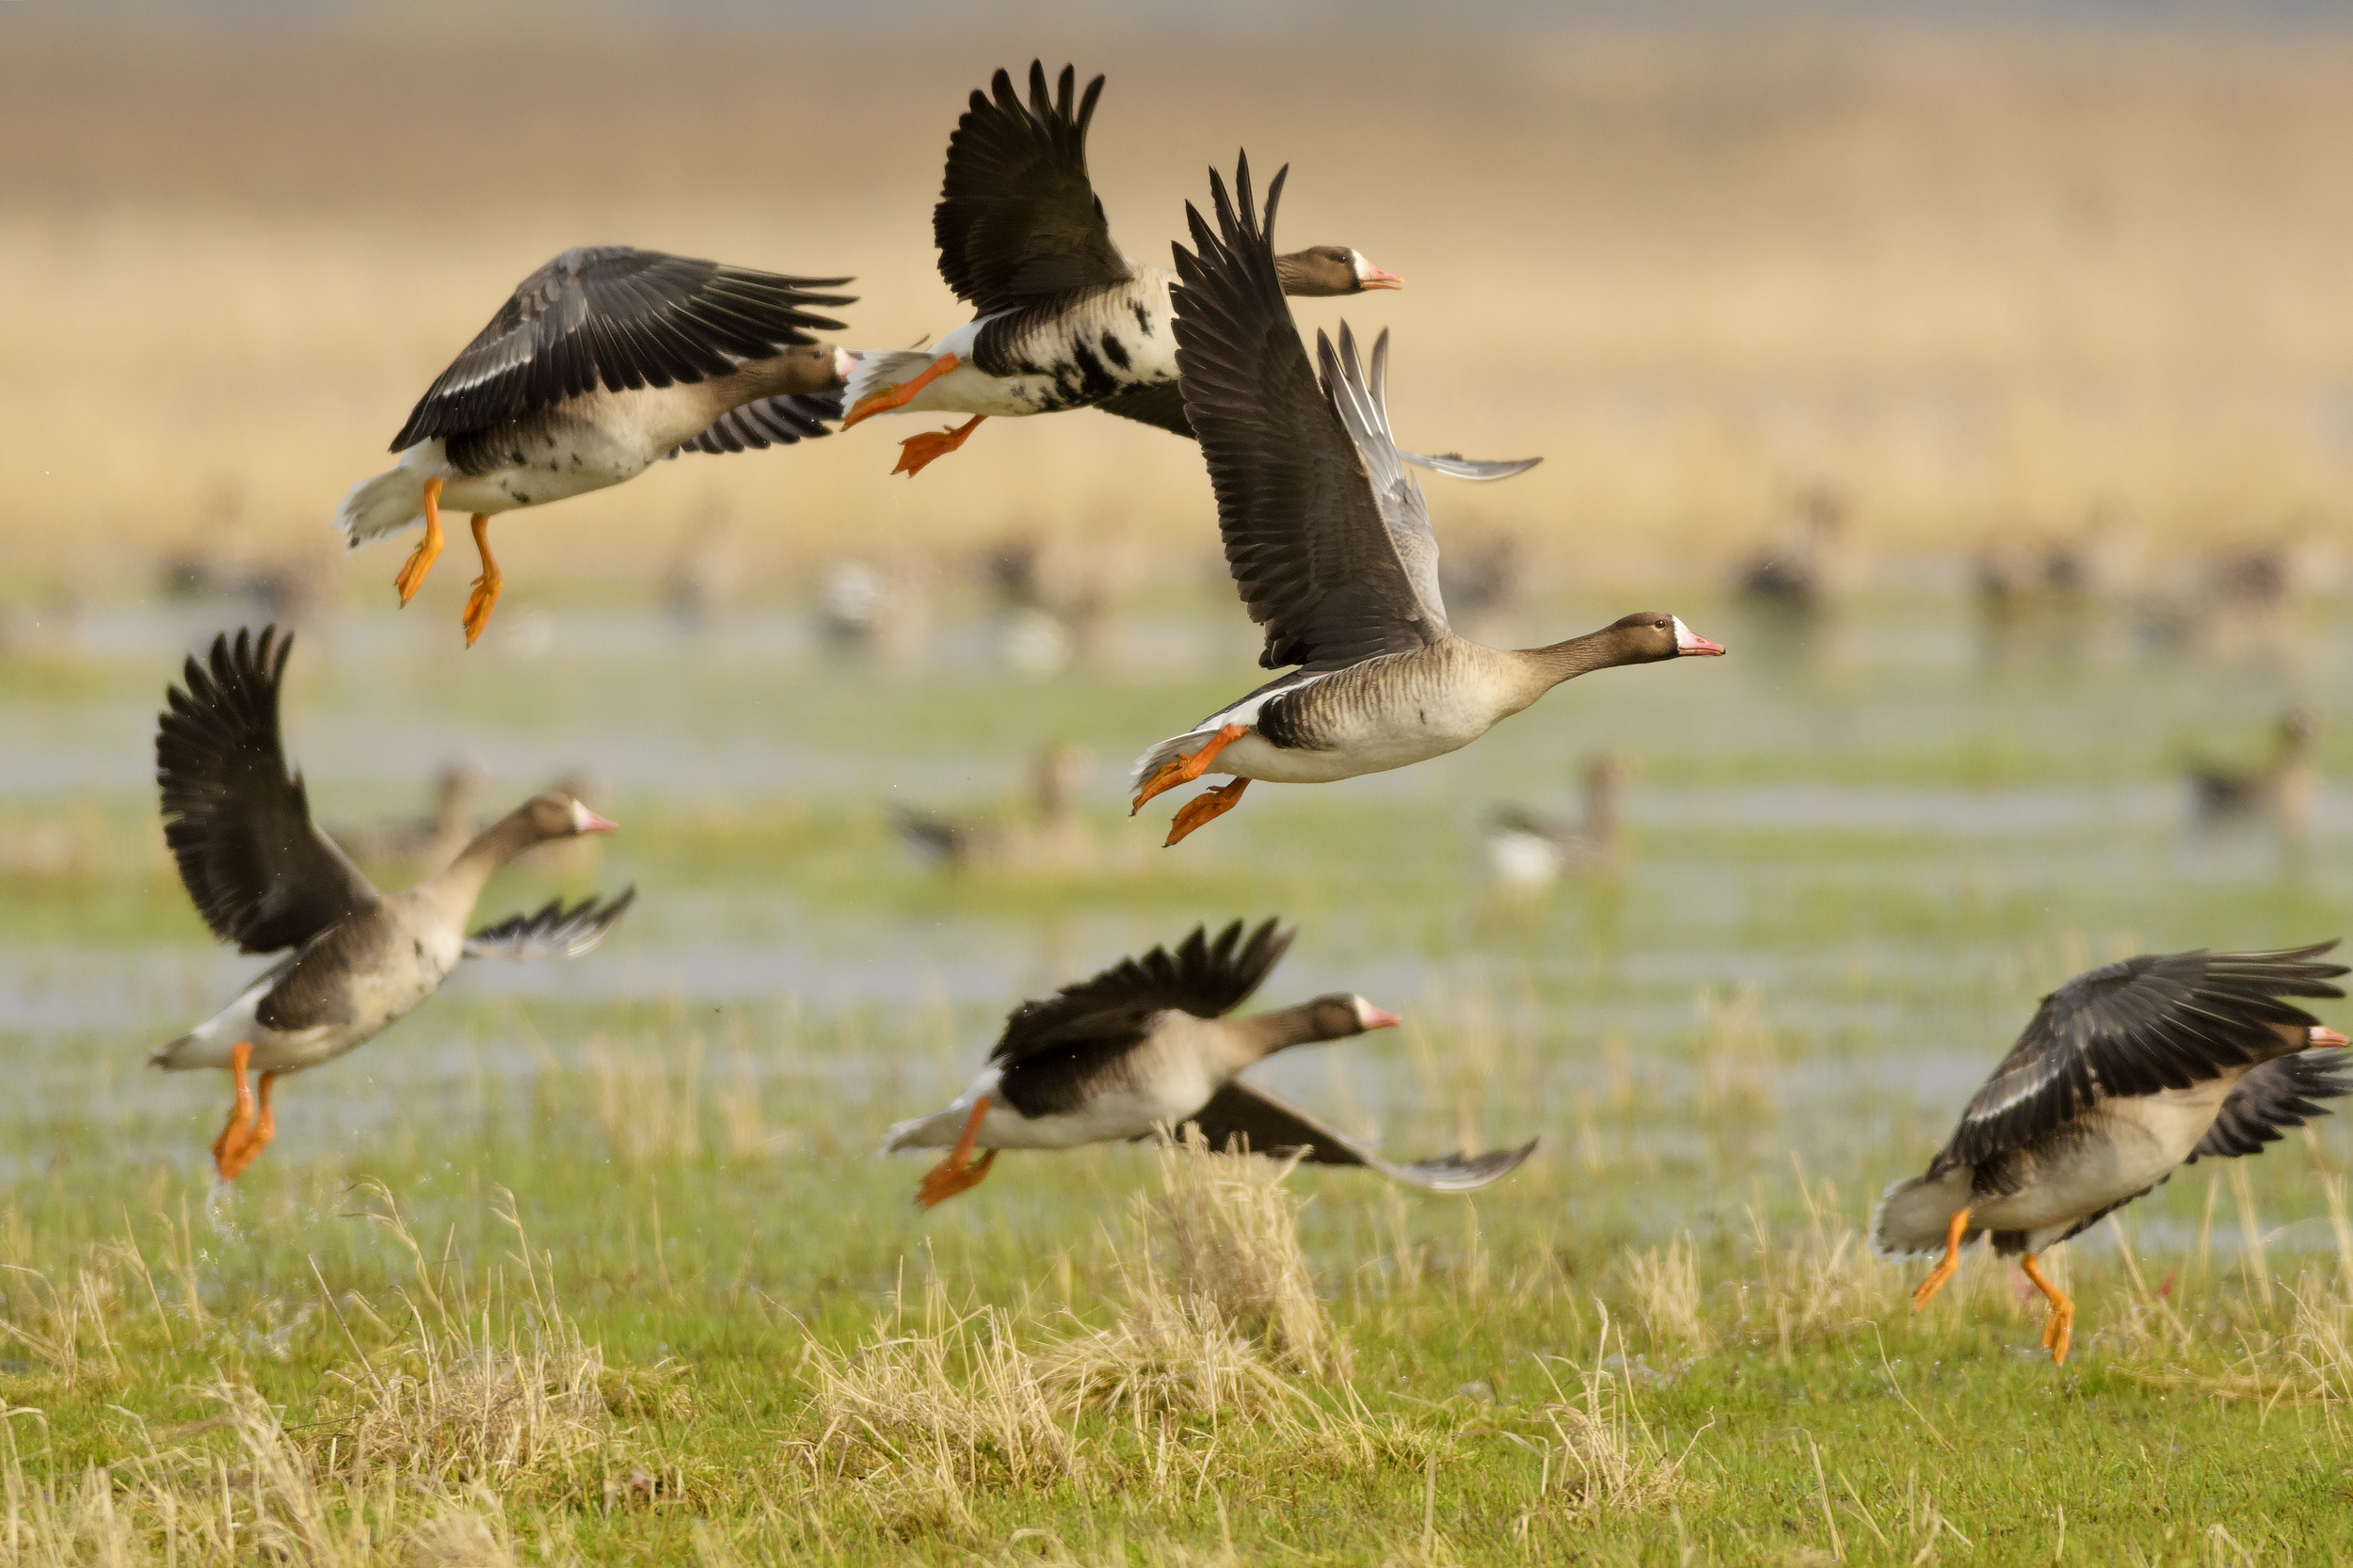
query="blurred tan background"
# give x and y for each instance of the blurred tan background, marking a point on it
(1987, 284)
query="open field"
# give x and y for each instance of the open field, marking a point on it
(1982, 282)
(1855, 864)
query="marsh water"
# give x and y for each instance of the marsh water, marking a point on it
(1856, 850)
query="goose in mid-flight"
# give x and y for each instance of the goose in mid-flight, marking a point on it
(264, 876)
(1147, 1044)
(603, 362)
(1330, 544)
(2125, 1074)
(1063, 319)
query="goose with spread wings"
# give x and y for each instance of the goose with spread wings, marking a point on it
(1063, 319)
(1147, 1046)
(603, 362)
(1329, 542)
(264, 876)
(2125, 1074)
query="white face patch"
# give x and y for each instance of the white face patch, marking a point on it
(580, 818)
(1364, 269)
(1686, 639)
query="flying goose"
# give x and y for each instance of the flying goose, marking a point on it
(604, 361)
(1147, 1044)
(2125, 1073)
(1064, 320)
(264, 876)
(1329, 543)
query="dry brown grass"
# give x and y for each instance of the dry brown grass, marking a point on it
(1982, 282)
(1602, 1457)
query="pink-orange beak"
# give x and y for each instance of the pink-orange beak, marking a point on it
(598, 824)
(1380, 1017)
(1376, 278)
(1697, 648)
(2323, 1038)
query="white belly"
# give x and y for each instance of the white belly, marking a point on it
(1377, 749)
(2138, 1143)
(603, 439)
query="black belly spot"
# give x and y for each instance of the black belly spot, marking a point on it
(420, 947)
(1422, 715)
(1115, 351)
(1144, 317)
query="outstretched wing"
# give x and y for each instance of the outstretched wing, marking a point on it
(1207, 979)
(2149, 1023)
(238, 820)
(1479, 471)
(1018, 216)
(2274, 1098)
(768, 422)
(1262, 1123)
(614, 316)
(553, 931)
(1303, 515)
(1162, 404)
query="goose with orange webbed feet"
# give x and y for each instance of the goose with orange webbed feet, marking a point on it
(1064, 320)
(2125, 1074)
(1147, 1044)
(1330, 544)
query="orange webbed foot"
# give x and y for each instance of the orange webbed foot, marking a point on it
(917, 452)
(1206, 806)
(486, 587)
(1946, 1267)
(882, 402)
(1184, 769)
(245, 1135)
(412, 572)
(950, 1176)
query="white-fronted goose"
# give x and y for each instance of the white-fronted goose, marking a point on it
(264, 877)
(2126, 1073)
(1147, 1044)
(1527, 851)
(603, 362)
(1065, 319)
(1329, 542)
(2280, 787)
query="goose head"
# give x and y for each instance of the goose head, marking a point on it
(1649, 635)
(1342, 1013)
(557, 815)
(1323, 270)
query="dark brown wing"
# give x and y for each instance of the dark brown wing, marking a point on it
(1207, 979)
(1307, 542)
(238, 819)
(622, 318)
(2137, 1027)
(1162, 404)
(2274, 1098)
(553, 931)
(769, 422)
(1260, 1122)
(1018, 216)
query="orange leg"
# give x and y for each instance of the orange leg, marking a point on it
(901, 396)
(1184, 769)
(234, 1132)
(429, 549)
(487, 587)
(1206, 806)
(957, 1174)
(1946, 1269)
(916, 451)
(2061, 1328)
(252, 1138)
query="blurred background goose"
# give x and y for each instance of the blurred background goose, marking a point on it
(1146, 1045)
(604, 362)
(453, 817)
(2280, 788)
(1329, 542)
(262, 875)
(1052, 837)
(2124, 1074)
(1527, 851)
(1066, 320)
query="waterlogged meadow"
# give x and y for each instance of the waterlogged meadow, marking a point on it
(593, 1262)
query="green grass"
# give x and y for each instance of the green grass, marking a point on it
(1848, 883)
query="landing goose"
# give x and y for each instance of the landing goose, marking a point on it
(1147, 1044)
(1064, 320)
(604, 362)
(2125, 1073)
(1329, 543)
(264, 876)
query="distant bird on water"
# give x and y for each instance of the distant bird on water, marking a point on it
(2124, 1074)
(1528, 851)
(604, 362)
(2280, 788)
(1147, 1044)
(262, 875)
(1330, 545)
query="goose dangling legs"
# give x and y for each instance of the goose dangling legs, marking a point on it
(2061, 1328)
(917, 451)
(1947, 1268)
(957, 1173)
(888, 398)
(419, 562)
(487, 587)
(248, 1129)
(1208, 806)
(1184, 768)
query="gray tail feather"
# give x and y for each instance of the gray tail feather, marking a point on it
(164, 1053)
(1161, 755)
(878, 369)
(385, 505)
(1912, 1215)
